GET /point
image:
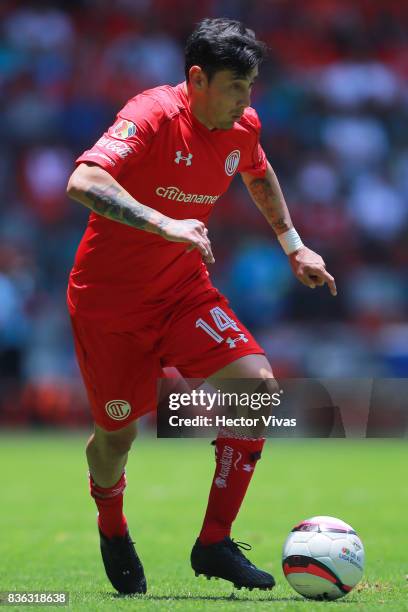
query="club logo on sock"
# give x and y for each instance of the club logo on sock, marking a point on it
(118, 409)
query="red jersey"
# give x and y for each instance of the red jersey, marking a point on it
(168, 160)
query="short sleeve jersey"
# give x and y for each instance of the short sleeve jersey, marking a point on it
(168, 160)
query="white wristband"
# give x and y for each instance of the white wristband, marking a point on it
(290, 241)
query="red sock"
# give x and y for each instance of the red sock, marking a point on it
(109, 500)
(236, 459)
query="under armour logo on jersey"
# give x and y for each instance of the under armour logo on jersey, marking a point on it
(186, 158)
(232, 341)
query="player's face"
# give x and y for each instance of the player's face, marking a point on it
(224, 99)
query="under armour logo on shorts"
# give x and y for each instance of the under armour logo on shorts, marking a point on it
(179, 157)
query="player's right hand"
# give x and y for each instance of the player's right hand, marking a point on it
(191, 231)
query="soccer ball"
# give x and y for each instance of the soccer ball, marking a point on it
(323, 558)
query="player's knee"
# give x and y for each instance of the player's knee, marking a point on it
(118, 445)
(255, 366)
(116, 442)
(264, 380)
(268, 385)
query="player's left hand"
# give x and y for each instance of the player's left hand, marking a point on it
(310, 269)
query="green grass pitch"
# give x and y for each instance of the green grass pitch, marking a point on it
(49, 540)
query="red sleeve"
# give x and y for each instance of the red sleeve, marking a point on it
(256, 160)
(130, 135)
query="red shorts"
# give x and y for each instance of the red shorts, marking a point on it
(121, 360)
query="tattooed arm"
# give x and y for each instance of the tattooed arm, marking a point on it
(308, 267)
(99, 191)
(268, 197)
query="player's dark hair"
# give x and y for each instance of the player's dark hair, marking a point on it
(223, 44)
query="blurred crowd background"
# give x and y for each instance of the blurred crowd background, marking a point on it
(333, 99)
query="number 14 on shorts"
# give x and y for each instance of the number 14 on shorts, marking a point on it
(222, 322)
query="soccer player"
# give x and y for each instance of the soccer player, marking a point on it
(140, 296)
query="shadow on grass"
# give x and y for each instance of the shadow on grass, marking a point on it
(192, 597)
(232, 597)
